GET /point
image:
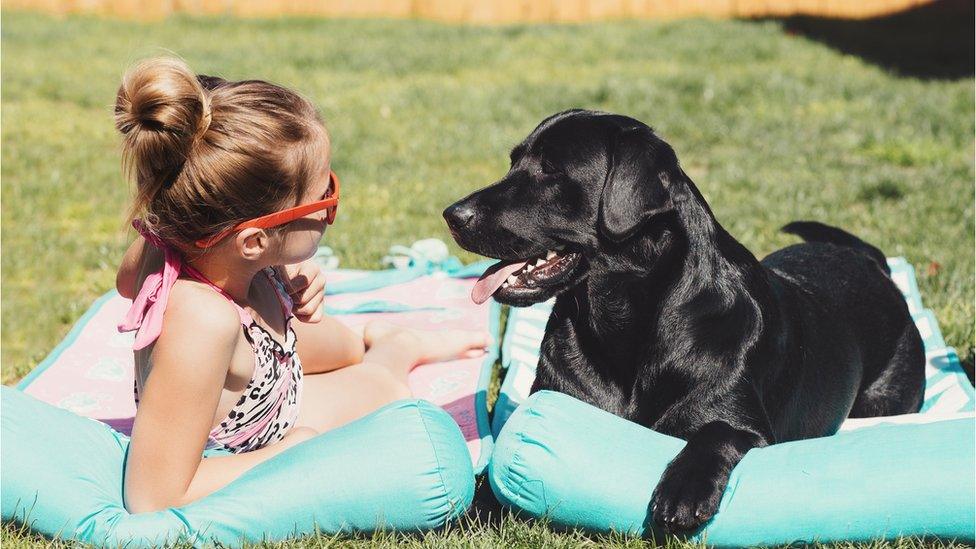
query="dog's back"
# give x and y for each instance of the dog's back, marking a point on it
(847, 280)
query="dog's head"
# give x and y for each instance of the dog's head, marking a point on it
(586, 191)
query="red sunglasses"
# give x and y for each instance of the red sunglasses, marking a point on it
(284, 216)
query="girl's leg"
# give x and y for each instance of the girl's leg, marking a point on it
(332, 399)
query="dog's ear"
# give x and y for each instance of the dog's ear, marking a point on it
(637, 184)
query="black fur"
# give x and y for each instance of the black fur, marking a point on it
(664, 319)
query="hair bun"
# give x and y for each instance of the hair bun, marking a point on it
(161, 109)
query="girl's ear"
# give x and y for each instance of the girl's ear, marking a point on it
(252, 243)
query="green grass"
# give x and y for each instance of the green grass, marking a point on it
(772, 128)
(510, 534)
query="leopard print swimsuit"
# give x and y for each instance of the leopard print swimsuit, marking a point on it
(268, 407)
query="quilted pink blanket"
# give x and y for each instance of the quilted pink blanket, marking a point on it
(91, 372)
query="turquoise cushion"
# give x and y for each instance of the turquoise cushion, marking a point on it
(582, 467)
(403, 467)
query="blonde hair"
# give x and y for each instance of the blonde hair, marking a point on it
(207, 153)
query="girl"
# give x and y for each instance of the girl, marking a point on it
(233, 192)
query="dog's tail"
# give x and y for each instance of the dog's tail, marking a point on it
(813, 231)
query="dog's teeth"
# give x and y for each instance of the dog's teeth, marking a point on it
(550, 254)
(505, 284)
(529, 268)
(539, 263)
(512, 279)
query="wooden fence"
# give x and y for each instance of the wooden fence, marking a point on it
(474, 11)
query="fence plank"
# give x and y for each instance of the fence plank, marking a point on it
(474, 11)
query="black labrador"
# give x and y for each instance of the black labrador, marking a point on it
(663, 318)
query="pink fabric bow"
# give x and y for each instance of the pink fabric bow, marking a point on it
(146, 313)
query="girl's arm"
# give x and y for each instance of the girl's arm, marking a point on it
(324, 344)
(164, 466)
(140, 259)
(327, 345)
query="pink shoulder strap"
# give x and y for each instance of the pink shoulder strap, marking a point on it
(279, 287)
(145, 316)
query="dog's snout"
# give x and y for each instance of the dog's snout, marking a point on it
(458, 215)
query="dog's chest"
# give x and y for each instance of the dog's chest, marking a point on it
(577, 366)
(628, 376)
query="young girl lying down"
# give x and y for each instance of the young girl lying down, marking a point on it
(234, 190)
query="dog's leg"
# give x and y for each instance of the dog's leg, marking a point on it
(900, 386)
(691, 488)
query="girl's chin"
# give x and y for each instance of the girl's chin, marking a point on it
(299, 257)
(304, 251)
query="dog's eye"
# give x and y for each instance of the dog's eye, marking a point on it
(548, 168)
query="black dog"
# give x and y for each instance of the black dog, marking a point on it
(664, 319)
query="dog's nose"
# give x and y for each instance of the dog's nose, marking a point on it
(458, 215)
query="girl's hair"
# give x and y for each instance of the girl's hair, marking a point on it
(207, 153)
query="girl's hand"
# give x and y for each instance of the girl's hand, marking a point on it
(305, 283)
(140, 259)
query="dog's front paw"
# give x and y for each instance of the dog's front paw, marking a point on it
(684, 500)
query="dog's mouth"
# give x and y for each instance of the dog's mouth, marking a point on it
(521, 279)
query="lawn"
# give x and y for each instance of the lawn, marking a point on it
(771, 126)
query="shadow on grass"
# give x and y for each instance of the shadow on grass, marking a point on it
(968, 362)
(931, 41)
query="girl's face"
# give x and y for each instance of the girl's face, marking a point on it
(300, 238)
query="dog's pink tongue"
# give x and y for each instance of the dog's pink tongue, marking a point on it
(492, 280)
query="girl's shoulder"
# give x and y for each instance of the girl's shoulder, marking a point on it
(195, 305)
(201, 333)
